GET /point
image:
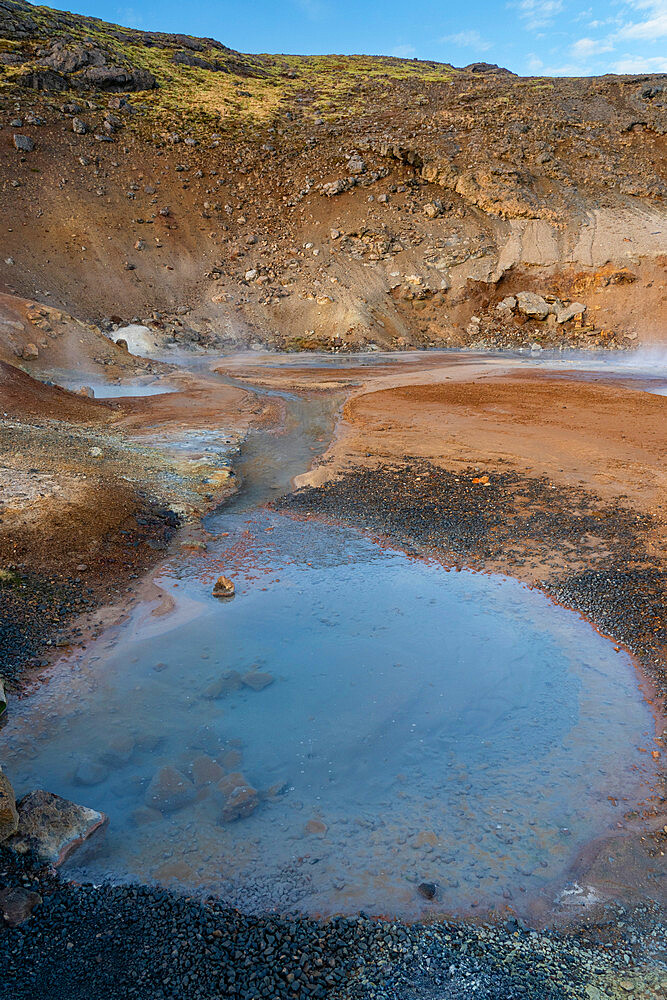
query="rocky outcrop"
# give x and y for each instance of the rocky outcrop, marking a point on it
(9, 817)
(52, 827)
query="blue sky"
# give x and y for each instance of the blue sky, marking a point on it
(561, 37)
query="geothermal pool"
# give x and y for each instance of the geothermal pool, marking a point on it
(391, 723)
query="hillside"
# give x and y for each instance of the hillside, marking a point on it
(325, 202)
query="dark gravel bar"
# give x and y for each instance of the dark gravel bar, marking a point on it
(589, 555)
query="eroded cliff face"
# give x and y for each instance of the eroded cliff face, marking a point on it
(325, 202)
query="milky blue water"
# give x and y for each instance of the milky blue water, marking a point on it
(420, 724)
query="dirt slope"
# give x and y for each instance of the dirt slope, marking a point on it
(328, 201)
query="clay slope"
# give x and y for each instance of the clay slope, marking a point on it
(330, 202)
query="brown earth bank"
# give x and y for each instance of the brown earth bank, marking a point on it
(323, 202)
(91, 493)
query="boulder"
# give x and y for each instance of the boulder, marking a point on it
(52, 827)
(115, 78)
(9, 817)
(46, 80)
(79, 126)
(240, 799)
(169, 790)
(532, 305)
(17, 904)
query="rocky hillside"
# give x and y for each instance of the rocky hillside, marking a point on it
(330, 202)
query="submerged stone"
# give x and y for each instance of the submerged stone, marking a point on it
(169, 790)
(240, 798)
(257, 679)
(205, 771)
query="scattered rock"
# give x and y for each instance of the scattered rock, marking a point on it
(356, 165)
(79, 126)
(30, 351)
(17, 904)
(52, 827)
(223, 587)
(169, 790)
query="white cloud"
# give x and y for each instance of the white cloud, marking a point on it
(468, 40)
(652, 27)
(640, 64)
(538, 13)
(587, 47)
(403, 51)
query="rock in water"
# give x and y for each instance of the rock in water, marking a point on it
(223, 587)
(17, 905)
(53, 827)
(205, 771)
(427, 889)
(169, 790)
(257, 679)
(9, 817)
(240, 798)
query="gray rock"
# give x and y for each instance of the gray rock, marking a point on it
(79, 126)
(532, 305)
(566, 313)
(23, 143)
(52, 827)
